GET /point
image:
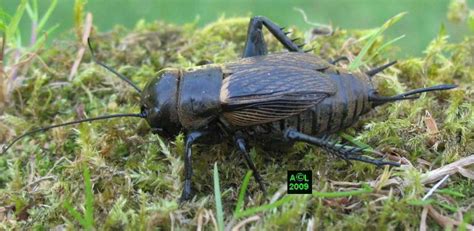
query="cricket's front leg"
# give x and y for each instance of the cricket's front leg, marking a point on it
(188, 168)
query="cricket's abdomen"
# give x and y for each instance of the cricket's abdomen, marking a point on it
(329, 116)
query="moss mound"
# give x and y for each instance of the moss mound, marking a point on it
(136, 178)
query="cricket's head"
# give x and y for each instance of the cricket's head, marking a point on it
(159, 103)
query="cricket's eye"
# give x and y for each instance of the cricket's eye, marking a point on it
(373, 92)
(157, 130)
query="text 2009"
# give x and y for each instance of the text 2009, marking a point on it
(299, 186)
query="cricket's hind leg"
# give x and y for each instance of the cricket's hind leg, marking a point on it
(255, 44)
(342, 151)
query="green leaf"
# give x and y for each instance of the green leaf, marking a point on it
(42, 38)
(365, 189)
(243, 189)
(87, 221)
(4, 17)
(447, 206)
(420, 202)
(46, 16)
(89, 213)
(32, 12)
(450, 192)
(217, 196)
(354, 141)
(164, 148)
(75, 213)
(254, 210)
(368, 35)
(358, 60)
(13, 25)
(251, 211)
(385, 45)
(442, 30)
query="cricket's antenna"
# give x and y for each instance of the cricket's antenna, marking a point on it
(5, 149)
(110, 69)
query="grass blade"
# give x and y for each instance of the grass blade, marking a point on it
(4, 17)
(46, 16)
(385, 45)
(358, 60)
(369, 34)
(354, 141)
(217, 196)
(451, 192)
(420, 202)
(75, 213)
(43, 38)
(87, 221)
(15, 20)
(33, 14)
(89, 207)
(446, 206)
(365, 189)
(243, 189)
(254, 210)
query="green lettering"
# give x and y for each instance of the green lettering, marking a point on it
(292, 178)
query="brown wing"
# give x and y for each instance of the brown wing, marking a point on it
(266, 94)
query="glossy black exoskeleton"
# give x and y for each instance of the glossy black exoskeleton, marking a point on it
(269, 98)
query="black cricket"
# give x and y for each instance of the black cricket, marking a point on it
(268, 98)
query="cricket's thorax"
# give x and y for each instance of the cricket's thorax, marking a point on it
(198, 99)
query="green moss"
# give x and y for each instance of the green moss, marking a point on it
(137, 177)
